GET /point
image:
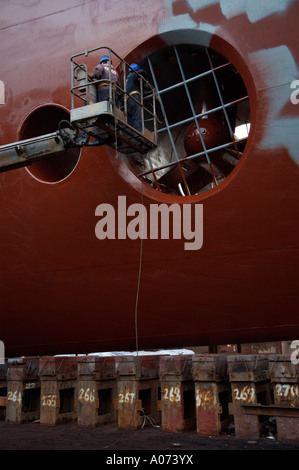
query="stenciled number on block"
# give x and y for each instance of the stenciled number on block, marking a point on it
(246, 394)
(49, 400)
(205, 399)
(172, 394)
(127, 397)
(14, 396)
(87, 395)
(287, 390)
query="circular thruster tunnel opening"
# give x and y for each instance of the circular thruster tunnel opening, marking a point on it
(203, 120)
(45, 120)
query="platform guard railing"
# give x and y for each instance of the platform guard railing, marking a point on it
(81, 88)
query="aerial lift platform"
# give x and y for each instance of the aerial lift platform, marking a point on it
(92, 123)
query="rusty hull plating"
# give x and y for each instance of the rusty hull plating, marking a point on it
(63, 290)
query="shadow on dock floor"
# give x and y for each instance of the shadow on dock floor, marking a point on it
(33, 436)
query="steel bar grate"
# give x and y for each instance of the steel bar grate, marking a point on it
(208, 91)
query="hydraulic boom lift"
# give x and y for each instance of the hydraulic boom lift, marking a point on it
(91, 123)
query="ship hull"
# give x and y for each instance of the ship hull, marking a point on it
(64, 290)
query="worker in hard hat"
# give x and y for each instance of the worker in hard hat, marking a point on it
(102, 72)
(133, 89)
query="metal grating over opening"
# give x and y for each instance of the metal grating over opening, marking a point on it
(204, 120)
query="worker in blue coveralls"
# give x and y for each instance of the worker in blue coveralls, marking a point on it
(133, 90)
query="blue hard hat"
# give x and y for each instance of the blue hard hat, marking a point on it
(134, 67)
(103, 58)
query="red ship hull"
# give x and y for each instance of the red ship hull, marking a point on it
(65, 291)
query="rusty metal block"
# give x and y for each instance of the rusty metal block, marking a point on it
(96, 367)
(58, 376)
(137, 390)
(209, 367)
(285, 381)
(128, 405)
(212, 407)
(25, 369)
(58, 400)
(142, 367)
(58, 368)
(136, 402)
(177, 405)
(88, 403)
(212, 393)
(14, 402)
(177, 393)
(282, 369)
(286, 394)
(176, 366)
(97, 391)
(249, 393)
(248, 367)
(23, 391)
